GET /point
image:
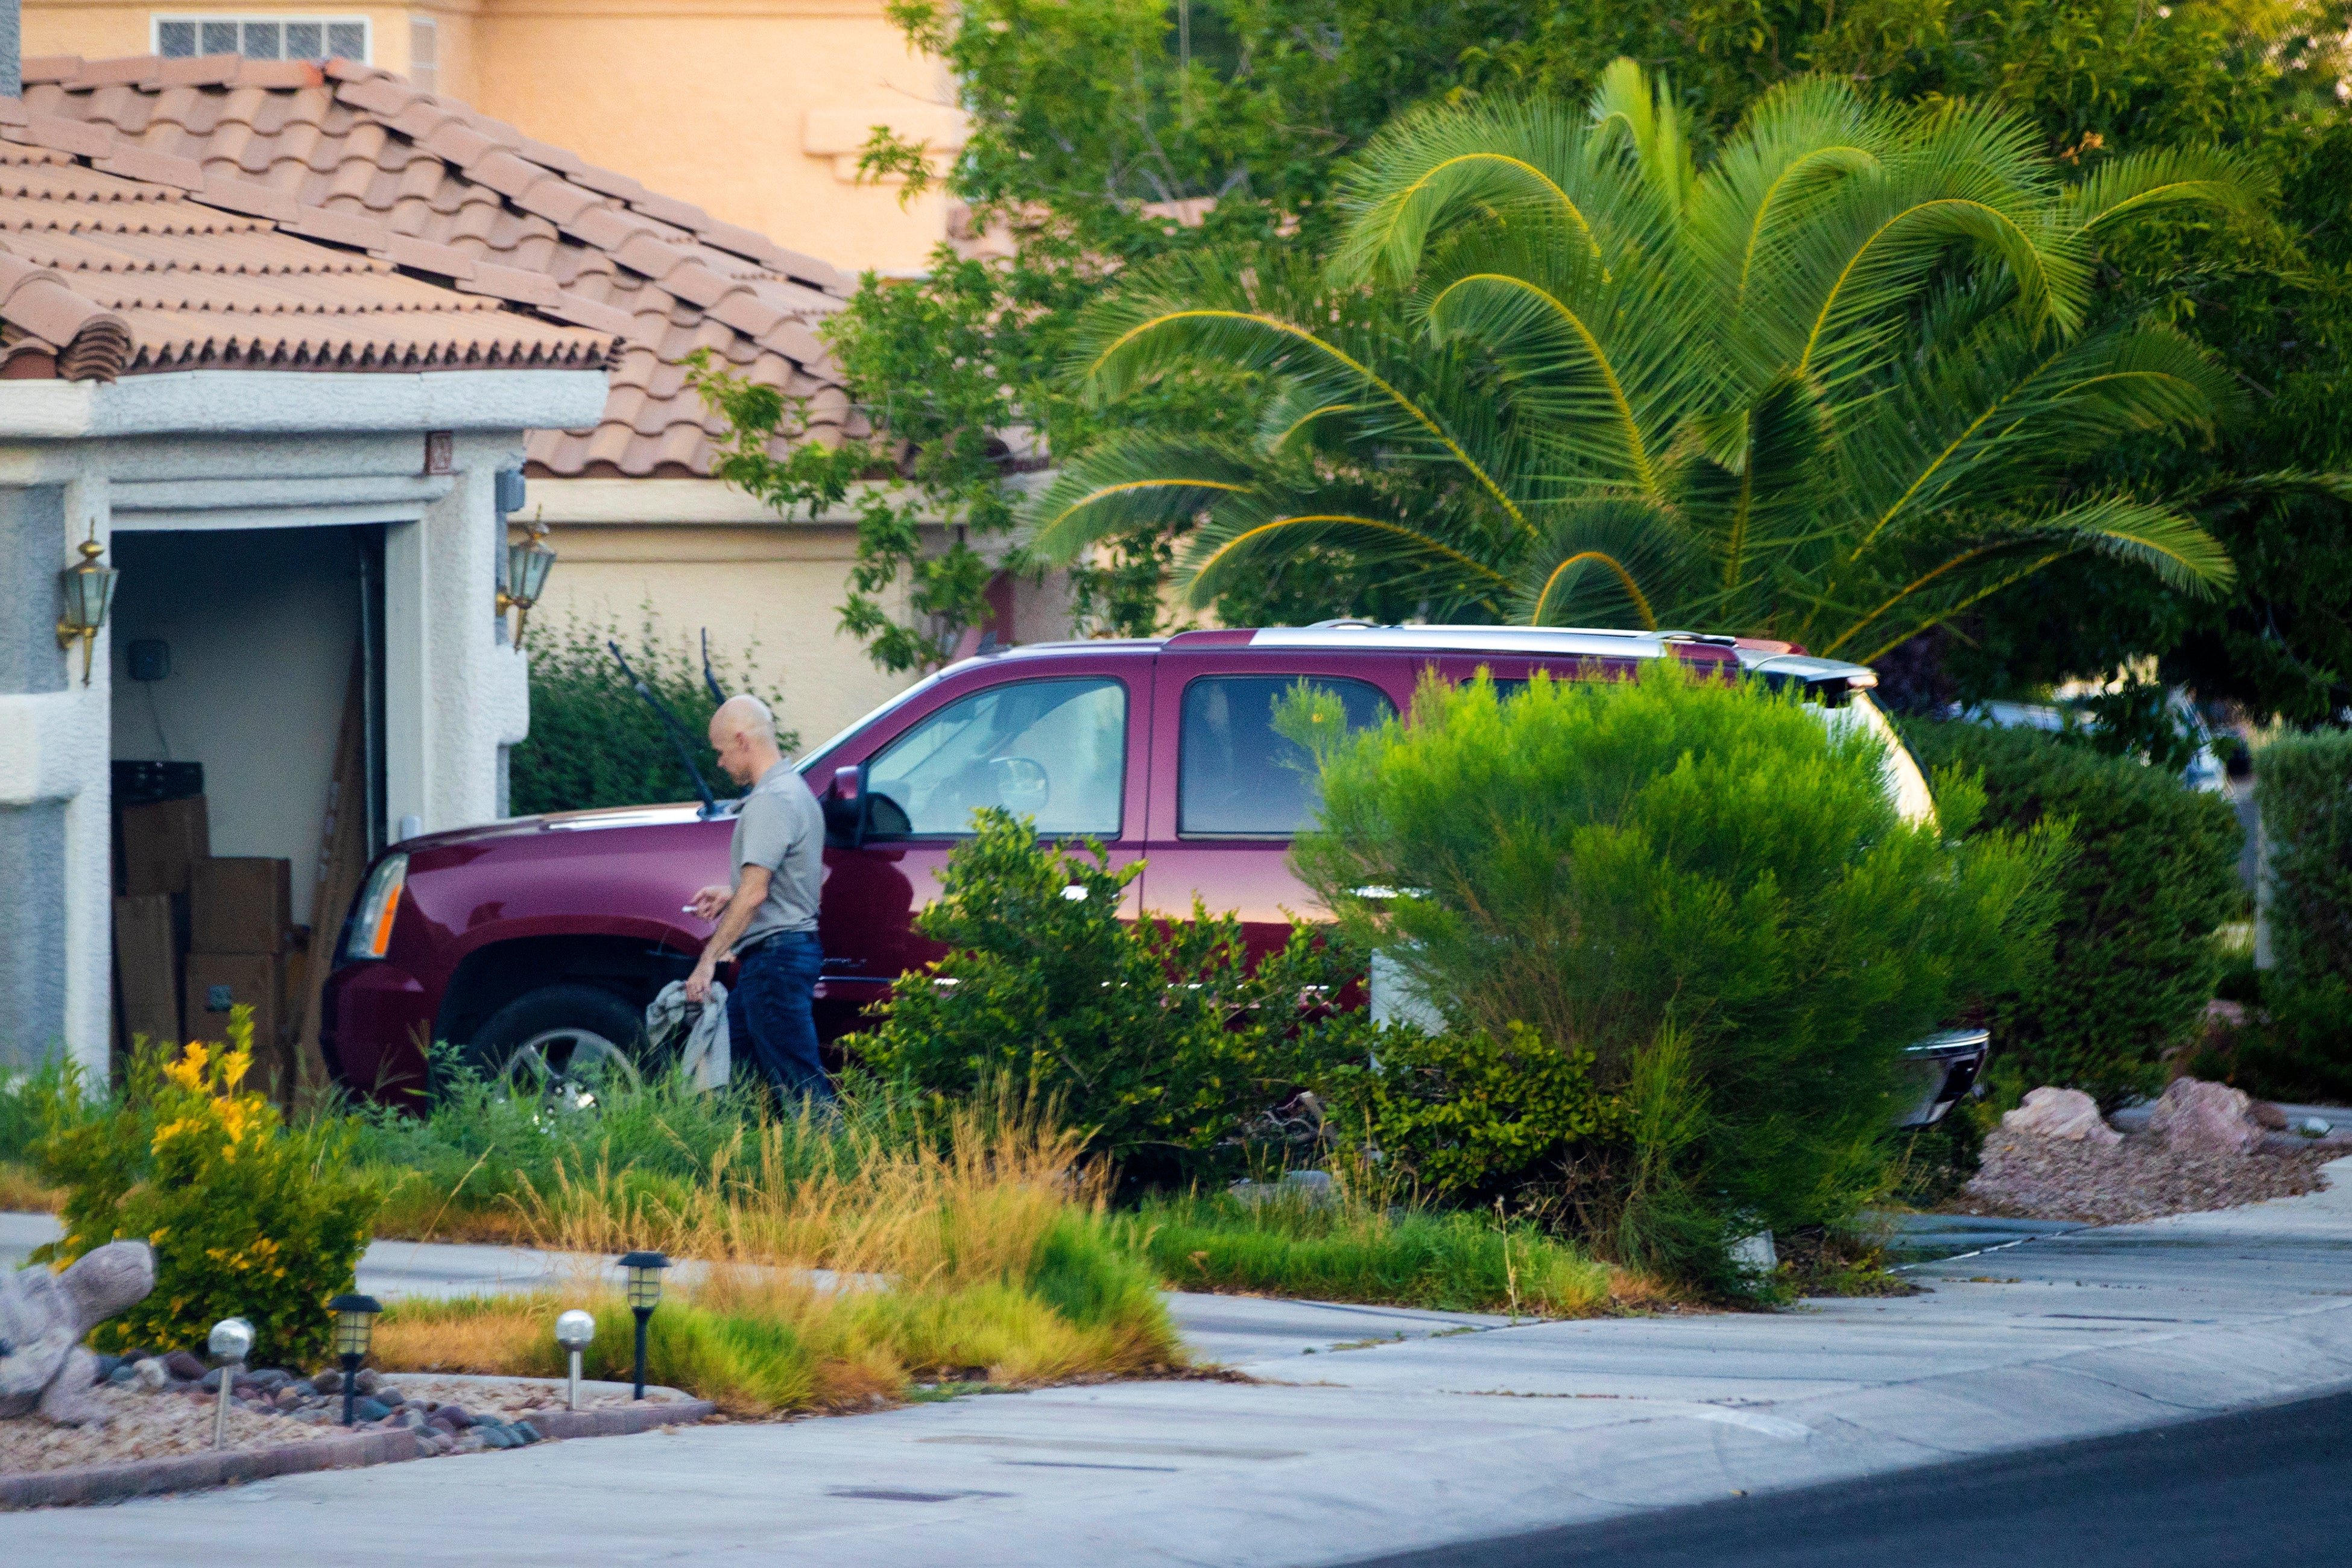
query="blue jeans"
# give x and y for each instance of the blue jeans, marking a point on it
(770, 1019)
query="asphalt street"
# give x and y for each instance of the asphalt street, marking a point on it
(2265, 1486)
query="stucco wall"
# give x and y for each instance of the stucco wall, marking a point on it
(770, 589)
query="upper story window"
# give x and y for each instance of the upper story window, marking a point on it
(263, 37)
(425, 53)
(1239, 777)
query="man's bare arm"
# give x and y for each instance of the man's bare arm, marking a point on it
(739, 909)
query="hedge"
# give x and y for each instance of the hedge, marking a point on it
(2155, 872)
(2304, 785)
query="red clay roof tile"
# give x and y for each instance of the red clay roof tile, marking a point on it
(352, 154)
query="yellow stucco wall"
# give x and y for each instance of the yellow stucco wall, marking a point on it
(775, 587)
(751, 109)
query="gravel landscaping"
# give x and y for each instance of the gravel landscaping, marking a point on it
(157, 1411)
(2142, 1177)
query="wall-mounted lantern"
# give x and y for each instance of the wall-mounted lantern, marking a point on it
(529, 561)
(90, 593)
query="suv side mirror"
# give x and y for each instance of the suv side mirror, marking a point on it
(847, 811)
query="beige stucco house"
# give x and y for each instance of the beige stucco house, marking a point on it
(752, 110)
(636, 518)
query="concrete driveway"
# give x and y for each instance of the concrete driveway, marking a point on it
(1340, 1455)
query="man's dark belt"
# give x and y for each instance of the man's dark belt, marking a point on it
(743, 952)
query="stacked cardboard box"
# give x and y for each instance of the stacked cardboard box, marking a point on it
(240, 927)
(161, 841)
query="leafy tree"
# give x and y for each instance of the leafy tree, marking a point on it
(1828, 388)
(1095, 130)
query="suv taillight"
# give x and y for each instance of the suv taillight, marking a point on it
(379, 902)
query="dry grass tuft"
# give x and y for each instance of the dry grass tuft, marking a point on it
(22, 1190)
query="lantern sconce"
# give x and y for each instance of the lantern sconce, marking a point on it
(90, 593)
(529, 561)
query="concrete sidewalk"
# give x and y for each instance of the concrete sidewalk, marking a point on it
(1350, 1453)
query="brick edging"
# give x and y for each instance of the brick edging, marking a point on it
(192, 1472)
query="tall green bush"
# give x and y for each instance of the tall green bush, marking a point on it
(2303, 784)
(1156, 1037)
(1704, 886)
(2133, 956)
(594, 741)
(247, 1217)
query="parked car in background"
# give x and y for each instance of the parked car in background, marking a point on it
(535, 943)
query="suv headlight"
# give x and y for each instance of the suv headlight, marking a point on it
(379, 902)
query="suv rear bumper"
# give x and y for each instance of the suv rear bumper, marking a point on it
(1945, 1067)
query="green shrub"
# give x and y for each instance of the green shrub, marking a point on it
(2133, 954)
(247, 1218)
(2303, 784)
(1704, 886)
(1464, 1116)
(594, 741)
(1155, 1037)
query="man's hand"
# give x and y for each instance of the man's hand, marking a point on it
(706, 903)
(734, 912)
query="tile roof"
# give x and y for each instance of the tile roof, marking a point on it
(354, 155)
(103, 276)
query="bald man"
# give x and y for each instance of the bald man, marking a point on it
(767, 915)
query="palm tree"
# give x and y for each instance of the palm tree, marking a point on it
(1830, 388)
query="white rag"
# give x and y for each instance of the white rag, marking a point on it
(706, 1057)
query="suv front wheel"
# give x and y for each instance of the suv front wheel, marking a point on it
(560, 1045)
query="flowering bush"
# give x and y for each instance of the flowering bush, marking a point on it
(247, 1217)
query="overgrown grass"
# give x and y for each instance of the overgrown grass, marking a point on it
(1350, 1251)
(845, 1262)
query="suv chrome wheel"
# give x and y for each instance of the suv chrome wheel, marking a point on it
(566, 1069)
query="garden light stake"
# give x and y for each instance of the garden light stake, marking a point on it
(644, 1288)
(354, 1323)
(231, 1341)
(573, 1330)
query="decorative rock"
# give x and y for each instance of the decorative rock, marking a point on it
(367, 1380)
(2066, 1113)
(123, 1374)
(107, 1367)
(454, 1416)
(43, 1317)
(329, 1381)
(149, 1376)
(2267, 1116)
(367, 1410)
(183, 1365)
(2209, 1118)
(528, 1432)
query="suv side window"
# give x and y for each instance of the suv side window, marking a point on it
(1236, 777)
(1052, 750)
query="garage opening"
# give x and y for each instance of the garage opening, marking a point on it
(247, 746)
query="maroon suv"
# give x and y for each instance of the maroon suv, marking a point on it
(536, 943)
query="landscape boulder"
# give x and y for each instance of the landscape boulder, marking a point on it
(43, 1317)
(2206, 1117)
(2062, 1114)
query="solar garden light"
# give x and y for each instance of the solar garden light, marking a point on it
(354, 1323)
(644, 1288)
(573, 1330)
(231, 1342)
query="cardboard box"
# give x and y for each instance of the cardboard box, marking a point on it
(219, 981)
(147, 966)
(240, 904)
(161, 843)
